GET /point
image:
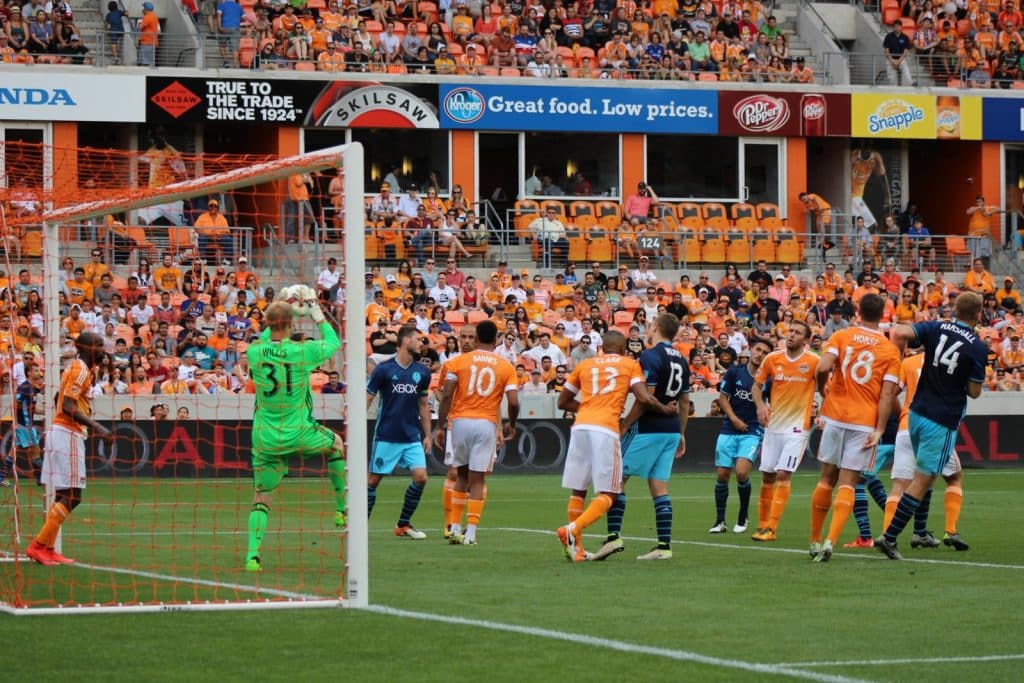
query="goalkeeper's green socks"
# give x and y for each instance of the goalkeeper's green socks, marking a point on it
(336, 473)
(257, 527)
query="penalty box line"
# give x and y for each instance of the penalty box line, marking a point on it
(617, 645)
(767, 549)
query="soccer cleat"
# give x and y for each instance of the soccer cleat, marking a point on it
(466, 540)
(58, 558)
(454, 534)
(824, 552)
(447, 531)
(340, 521)
(610, 547)
(766, 534)
(815, 549)
(740, 528)
(860, 543)
(41, 554)
(887, 548)
(718, 528)
(253, 565)
(657, 553)
(572, 544)
(409, 531)
(954, 541)
(925, 540)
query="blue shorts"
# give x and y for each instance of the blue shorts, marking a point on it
(26, 437)
(933, 444)
(729, 447)
(388, 455)
(883, 457)
(650, 455)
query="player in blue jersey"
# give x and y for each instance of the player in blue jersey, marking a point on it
(953, 370)
(26, 436)
(739, 440)
(402, 433)
(651, 441)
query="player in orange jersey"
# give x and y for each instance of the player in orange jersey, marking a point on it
(596, 392)
(786, 417)
(903, 466)
(64, 452)
(859, 376)
(471, 397)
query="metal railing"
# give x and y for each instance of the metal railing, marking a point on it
(120, 250)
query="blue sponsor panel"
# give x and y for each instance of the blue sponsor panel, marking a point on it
(585, 109)
(1003, 118)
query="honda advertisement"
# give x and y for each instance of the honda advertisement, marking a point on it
(783, 114)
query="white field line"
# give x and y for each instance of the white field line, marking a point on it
(914, 660)
(769, 549)
(617, 645)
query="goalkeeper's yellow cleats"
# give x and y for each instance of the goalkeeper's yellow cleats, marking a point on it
(340, 521)
(253, 565)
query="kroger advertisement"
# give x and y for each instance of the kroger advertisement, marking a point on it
(916, 117)
(584, 109)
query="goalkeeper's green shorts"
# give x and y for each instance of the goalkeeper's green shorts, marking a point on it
(271, 447)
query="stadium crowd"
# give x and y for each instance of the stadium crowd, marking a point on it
(660, 40)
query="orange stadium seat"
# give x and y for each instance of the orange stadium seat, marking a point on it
(609, 214)
(956, 247)
(622, 318)
(763, 246)
(631, 303)
(666, 213)
(510, 72)
(690, 214)
(689, 250)
(577, 245)
(550, 318)
(891, 12)
(583, 216)
(768, 215)
(599, 246)
(789, 249)
(744, 215)
(305, 66)
(525, 211)
(490, 71)
(738, 248)
(555, 204)
(715, 215)
(713, 248)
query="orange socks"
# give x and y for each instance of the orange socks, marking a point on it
(446, 497)
(575, 508)
(779, 502)
(54, 518)
(821, 501)
(764, 504)
(474, 509)
(595, 511)
(841, 509)
(459, 500)
(891, 503)
(954, 499)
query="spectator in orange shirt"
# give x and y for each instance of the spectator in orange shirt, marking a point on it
(331, 60)
(978, 279)
(213, 230)
(149, 31)
(979, 227)
(299, 208)
(470, 62)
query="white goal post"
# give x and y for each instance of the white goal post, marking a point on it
(350, 159)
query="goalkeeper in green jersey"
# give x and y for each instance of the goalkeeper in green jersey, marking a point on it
(283, 421)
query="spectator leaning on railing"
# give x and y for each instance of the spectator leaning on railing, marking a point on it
(897, 48)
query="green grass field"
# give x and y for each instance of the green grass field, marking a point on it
(720, 606)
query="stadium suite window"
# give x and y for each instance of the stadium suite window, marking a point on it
(561, 156)
(414, 156)
(687, 168)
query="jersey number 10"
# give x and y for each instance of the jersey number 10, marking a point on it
(481, 381)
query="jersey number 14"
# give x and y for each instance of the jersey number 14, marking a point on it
(948, 357)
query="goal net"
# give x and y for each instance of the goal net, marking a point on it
(172, 258)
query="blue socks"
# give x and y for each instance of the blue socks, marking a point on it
(371, 499)
(876, 489)
(743, 488)
(663, 520)
(615, 513)
(409, 505)
(860, 511)
(721, 499)
(904, 513)
(921, 516)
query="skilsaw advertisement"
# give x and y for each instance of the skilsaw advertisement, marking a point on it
(311, 104)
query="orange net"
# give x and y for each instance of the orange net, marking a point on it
(177, 292)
